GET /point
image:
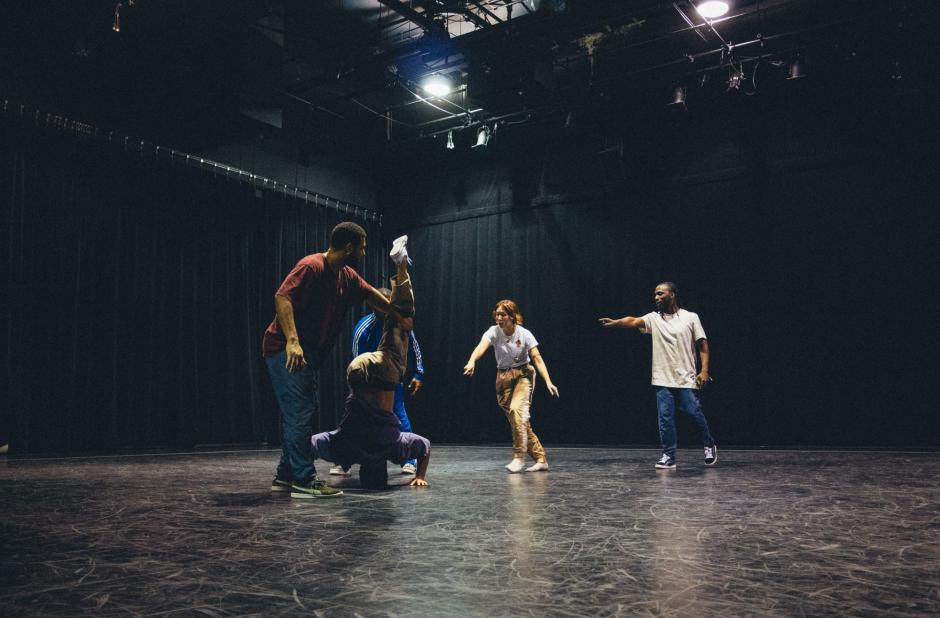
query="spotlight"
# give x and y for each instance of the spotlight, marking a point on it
(712, 9)
(450, 140)
(436, 86)
(483, 136)
(116, 25)
(736, 78)
(796, 71)
(678, 97)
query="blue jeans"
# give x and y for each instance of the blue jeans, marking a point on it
(298, 400)
(687, 399)
(399, 409)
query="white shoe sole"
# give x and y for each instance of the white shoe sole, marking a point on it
(398, 247)
(306, 496)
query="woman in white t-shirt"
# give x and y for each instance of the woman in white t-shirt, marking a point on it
(515, 347)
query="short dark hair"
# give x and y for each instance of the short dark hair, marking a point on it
(345, 233)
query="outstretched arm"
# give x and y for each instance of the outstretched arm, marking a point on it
(477, 353)
(383, 306)
(626, 322)
(419, 479)
(540, 366)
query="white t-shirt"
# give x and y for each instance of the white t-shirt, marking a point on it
(511, 351)
(674, 337)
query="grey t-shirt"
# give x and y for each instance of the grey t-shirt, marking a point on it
(511, 351)
(674, 338)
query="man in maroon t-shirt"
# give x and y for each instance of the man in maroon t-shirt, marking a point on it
(310, 306)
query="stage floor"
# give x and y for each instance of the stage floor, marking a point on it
(784, 533)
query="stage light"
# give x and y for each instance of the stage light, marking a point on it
(116, 25)
(796, 71)
(436, 86)
(678, 97)
(483, 136)
(450, 140)
(736, 77)
(712, 9)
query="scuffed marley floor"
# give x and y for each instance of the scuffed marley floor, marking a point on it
(783, 533)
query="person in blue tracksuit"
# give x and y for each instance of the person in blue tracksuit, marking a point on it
(366, 337)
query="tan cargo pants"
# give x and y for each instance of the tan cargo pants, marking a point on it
(514, 388)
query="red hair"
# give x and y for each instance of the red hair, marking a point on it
(511, 309)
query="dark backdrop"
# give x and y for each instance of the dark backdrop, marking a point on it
(800, 225)
(135, 293)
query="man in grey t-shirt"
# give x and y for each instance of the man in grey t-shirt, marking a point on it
(677, 335)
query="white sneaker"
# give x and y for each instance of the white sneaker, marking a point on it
(409, 469)
(666, 463)
(338, 471)
(516, 465)
(399, 252)
(539, 466)
(711, 455)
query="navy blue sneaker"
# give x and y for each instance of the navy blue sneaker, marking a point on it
(666, 463)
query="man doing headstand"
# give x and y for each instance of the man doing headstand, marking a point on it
(370, 434)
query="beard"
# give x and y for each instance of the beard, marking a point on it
(352, 260)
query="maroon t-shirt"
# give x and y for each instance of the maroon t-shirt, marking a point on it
(321, 297)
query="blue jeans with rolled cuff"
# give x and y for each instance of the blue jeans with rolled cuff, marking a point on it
(667, 399)
(299, 402)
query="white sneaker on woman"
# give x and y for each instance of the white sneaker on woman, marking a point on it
(540, 466)
(516, 465)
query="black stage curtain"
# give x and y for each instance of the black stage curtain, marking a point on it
(135, 293)
(810, 264)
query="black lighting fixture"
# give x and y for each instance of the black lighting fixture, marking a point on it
(796, 69)
(736, 77)
(483, 137)
(678, 97)
(116, 24)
